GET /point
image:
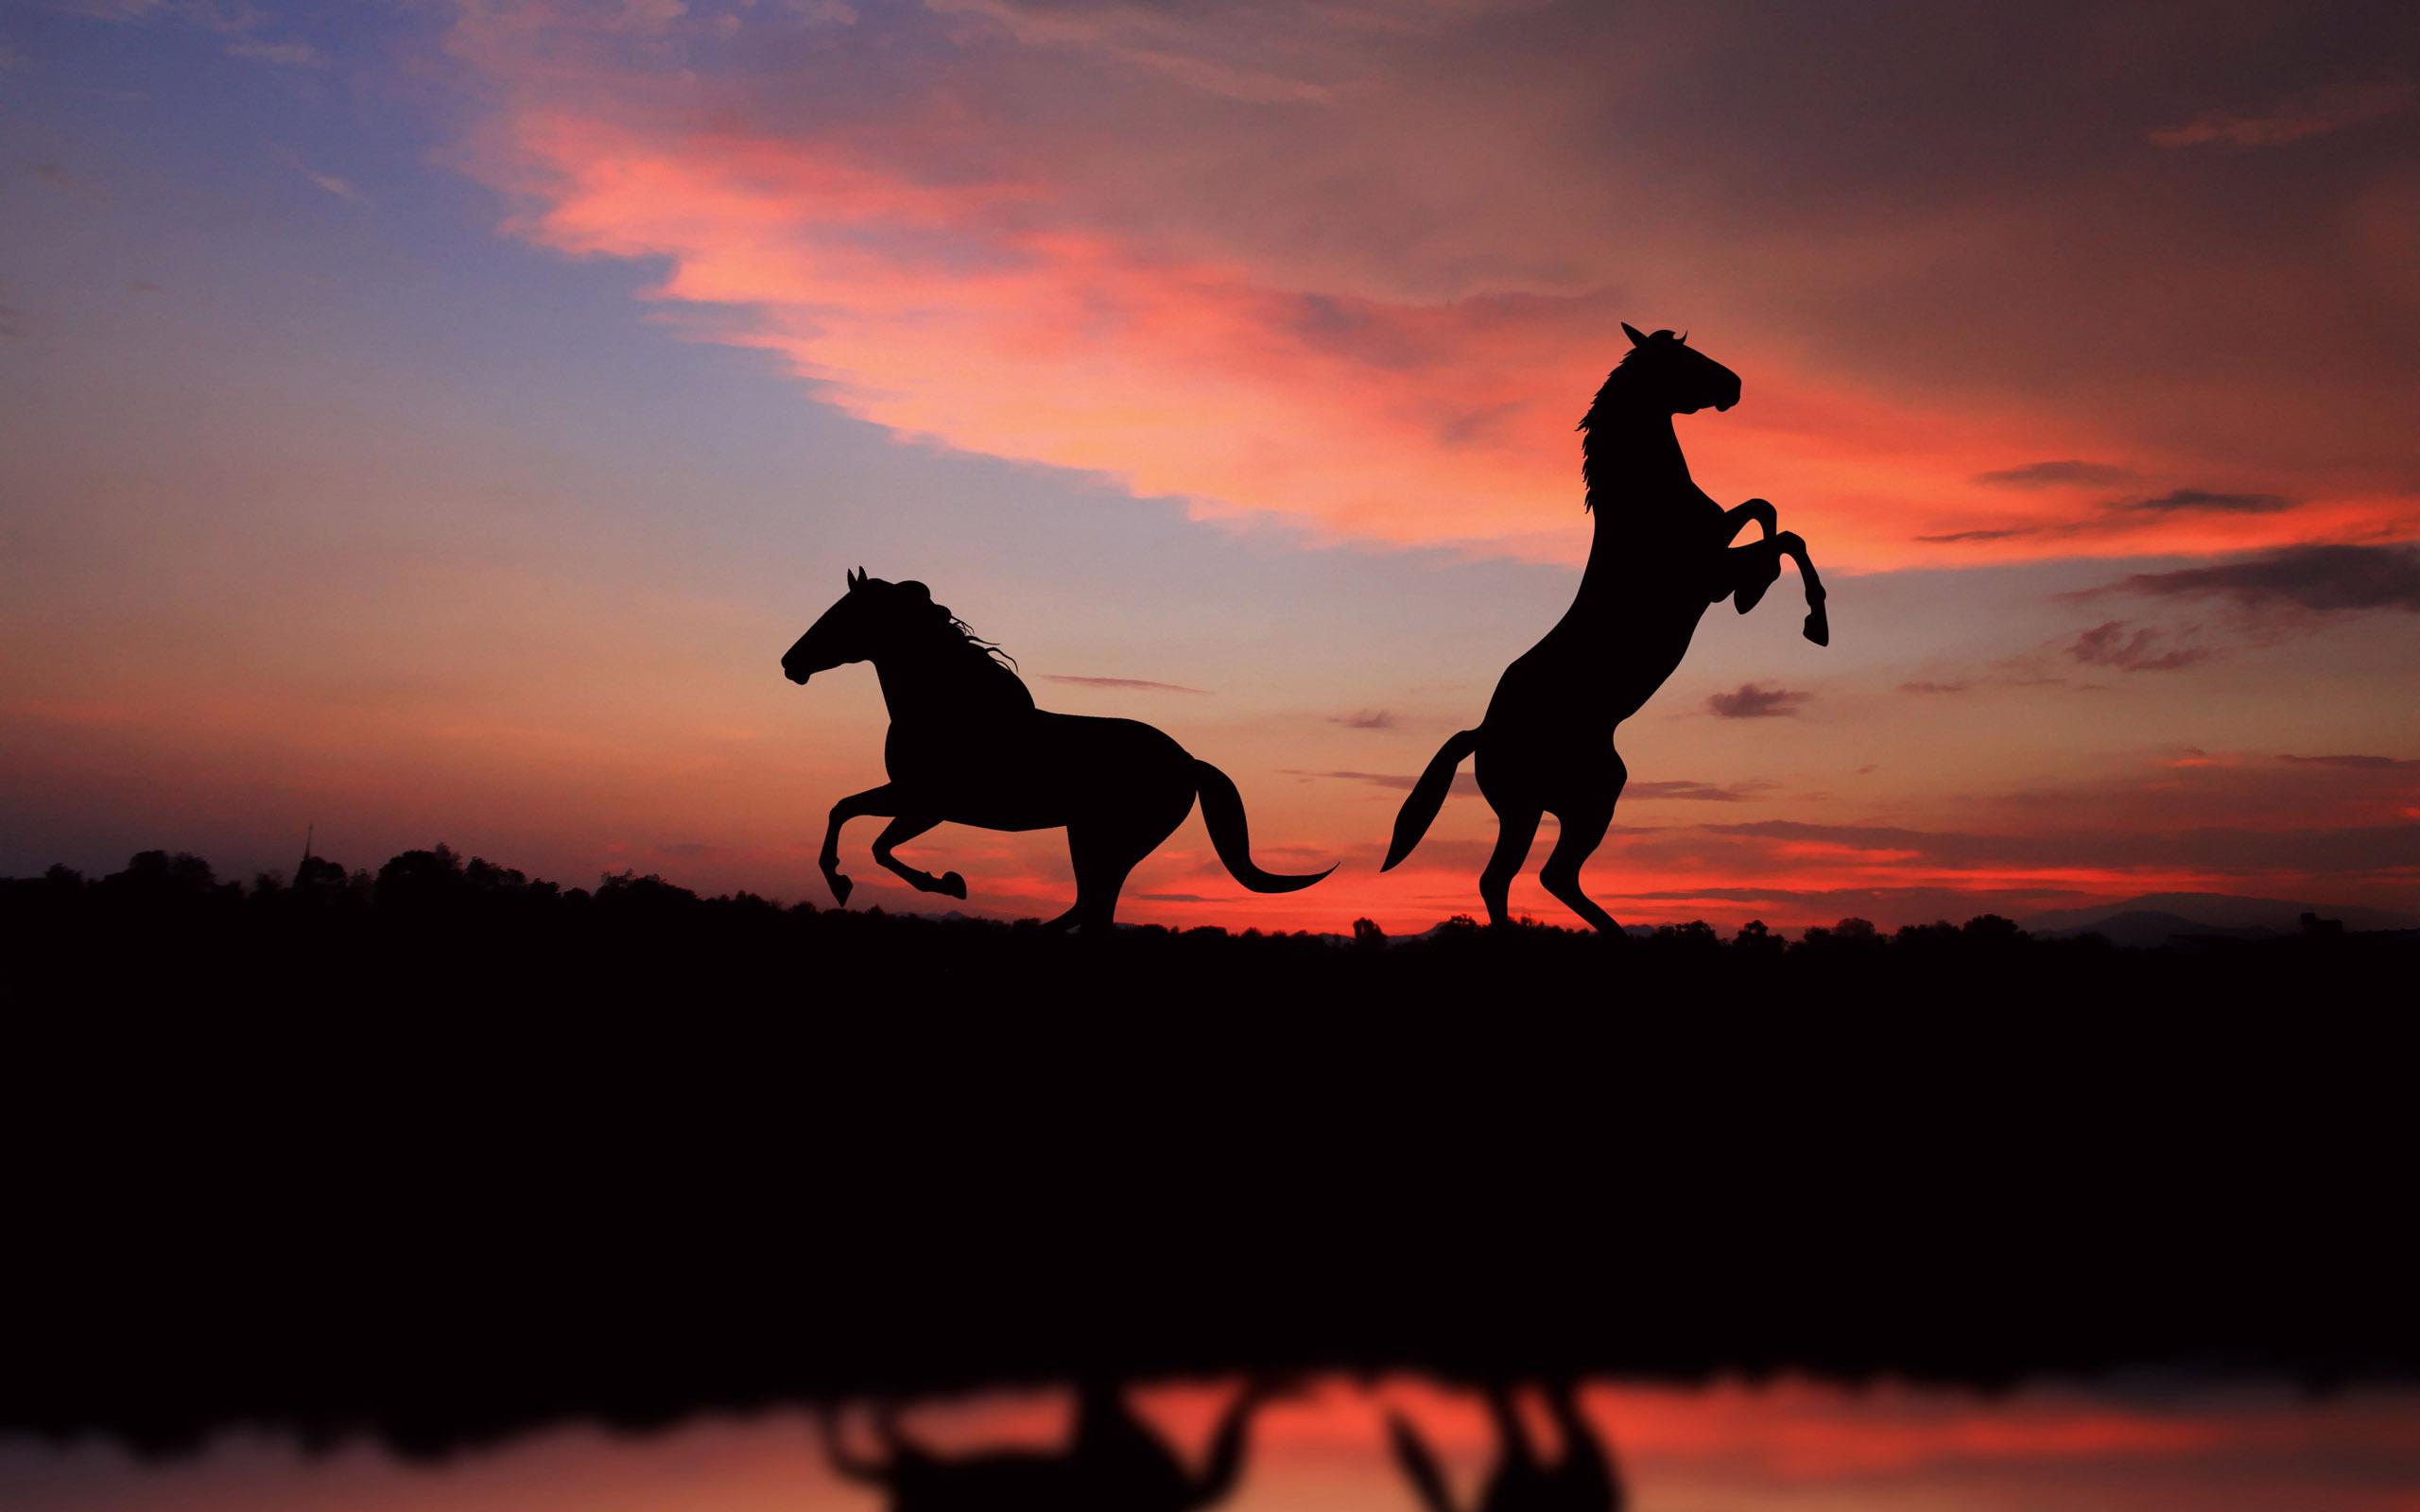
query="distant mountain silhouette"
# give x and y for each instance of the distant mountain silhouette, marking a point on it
(2153, 929)
(2153, 918)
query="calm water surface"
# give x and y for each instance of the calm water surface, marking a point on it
(1727, 1448)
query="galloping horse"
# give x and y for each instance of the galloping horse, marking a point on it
(1661, 555)
(968, 747)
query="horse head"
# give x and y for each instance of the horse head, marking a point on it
(868, 618)
(1666, 373)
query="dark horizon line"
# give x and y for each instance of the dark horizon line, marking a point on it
(513, 880)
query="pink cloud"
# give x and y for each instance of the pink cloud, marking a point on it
(1232, 281)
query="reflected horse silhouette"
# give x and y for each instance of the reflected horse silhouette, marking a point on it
(1662, 554)
(968, 747)
(1582, 1480)
(1114, 1462)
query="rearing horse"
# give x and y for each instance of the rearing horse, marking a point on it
(968, 747)
(1663, 553)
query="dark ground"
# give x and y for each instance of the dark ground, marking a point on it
(448, 1154)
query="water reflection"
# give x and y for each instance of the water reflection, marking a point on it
(1576, 1476)
(1335, 1447)
(1110, 1461)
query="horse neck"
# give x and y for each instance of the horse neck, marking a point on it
(1633, 453)
(1633, 463)
(940, 677)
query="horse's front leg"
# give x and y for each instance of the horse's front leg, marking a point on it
(1759, 511)
(880, 800)
(899, 832)
(1749, 570)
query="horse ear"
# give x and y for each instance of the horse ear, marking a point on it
(855, 578)
(1637, 338)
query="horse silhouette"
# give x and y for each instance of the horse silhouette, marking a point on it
(1113, 1462)
(1582, 1480)
(968, 747)
(1662, 554)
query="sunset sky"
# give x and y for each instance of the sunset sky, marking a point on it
(431, 422)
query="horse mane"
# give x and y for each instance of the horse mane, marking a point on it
(991, 649)
(973, 653)
(1588, 421)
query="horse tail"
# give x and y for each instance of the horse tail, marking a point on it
(1222, 810)
(1418, 811)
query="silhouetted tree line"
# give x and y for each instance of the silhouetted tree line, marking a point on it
(476, 921)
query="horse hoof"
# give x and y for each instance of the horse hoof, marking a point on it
(1747, 597)
(841, 885)
(953, 885)
(1819, 630)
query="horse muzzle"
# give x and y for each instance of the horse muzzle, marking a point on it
(795, 674)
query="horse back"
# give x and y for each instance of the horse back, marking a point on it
(1033, 769)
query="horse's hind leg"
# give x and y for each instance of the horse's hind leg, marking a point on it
(899, 832)
(1516, 829)
(1106, 848)
(1583, 829)
(1103, 863)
